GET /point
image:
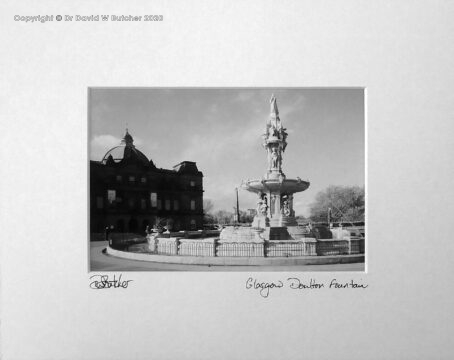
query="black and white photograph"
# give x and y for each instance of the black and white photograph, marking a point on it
(196, 179)
(201, 179)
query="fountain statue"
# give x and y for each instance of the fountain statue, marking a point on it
(274, 190)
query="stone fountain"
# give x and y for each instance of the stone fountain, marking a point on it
(275, 191)
(275, 219)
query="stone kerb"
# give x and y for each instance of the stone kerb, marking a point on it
(229, 260)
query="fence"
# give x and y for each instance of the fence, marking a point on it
(167, 246)
(332, 247)
(356, 245)
(197, 248)
(240, 249)
(213, 247)
(291, 248)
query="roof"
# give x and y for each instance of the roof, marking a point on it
(125, 153)
(186, 167)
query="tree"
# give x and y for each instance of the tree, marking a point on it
(208, 217)
(207, 206)
(346, 203)
(223, 217)
(161, 223)
(246, 217)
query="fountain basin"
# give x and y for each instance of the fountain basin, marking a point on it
(276, 185)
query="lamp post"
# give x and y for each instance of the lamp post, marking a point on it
(237, 206)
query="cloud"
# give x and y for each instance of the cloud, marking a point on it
(100, 144)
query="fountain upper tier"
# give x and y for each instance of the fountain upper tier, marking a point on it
(275, 186)
(275, 143)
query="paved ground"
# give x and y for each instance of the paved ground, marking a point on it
(102, 262)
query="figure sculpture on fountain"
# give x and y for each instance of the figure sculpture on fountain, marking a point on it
(274, 141)
(285, 210)
(261, 219)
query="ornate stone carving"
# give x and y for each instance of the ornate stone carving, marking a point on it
(262, 208)
(274, 140)
(286, 208)
(279, 189)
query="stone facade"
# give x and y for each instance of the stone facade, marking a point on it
(128, 193)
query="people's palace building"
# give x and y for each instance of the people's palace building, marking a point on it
(128, 193)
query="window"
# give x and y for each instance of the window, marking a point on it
(159, 204)
(176, 205)
(143, 179)
(132, 202)
(193, 224)
(132, 178)
(167, 204)
(119, 178)
(192, 183)
(99, 202)
(111, 196)
(192, 204)
(143, 204)
(154, 199)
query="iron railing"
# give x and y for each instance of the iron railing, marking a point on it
(213, 247)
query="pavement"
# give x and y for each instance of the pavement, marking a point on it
(99, 261)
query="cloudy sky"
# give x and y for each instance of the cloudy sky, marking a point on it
(220, 129)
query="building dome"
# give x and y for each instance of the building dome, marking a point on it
(126, 152)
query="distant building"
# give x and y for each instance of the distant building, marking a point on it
(128, 192)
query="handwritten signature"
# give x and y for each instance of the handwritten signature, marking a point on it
(103, 282)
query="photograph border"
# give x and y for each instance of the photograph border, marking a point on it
(280, 87)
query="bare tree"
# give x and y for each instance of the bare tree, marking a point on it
(207, 206)
(223, 217)
(346, 204)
